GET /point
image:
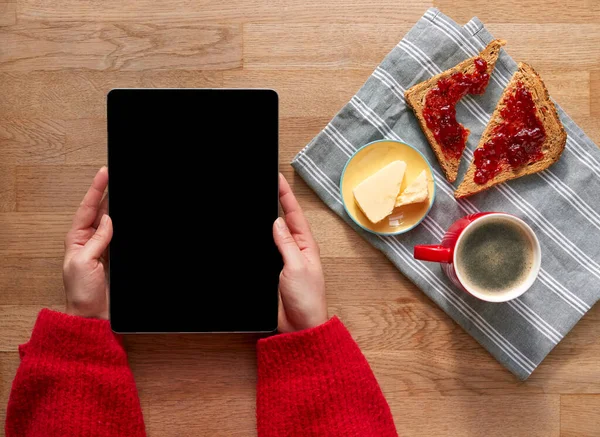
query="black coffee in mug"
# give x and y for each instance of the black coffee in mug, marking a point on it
(495, 256)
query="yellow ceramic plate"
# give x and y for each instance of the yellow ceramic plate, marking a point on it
(369, 159)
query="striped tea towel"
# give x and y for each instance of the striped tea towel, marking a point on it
(561, 204)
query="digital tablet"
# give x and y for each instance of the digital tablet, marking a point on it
(193, 194)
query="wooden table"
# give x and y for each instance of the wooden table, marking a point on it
(59, 58)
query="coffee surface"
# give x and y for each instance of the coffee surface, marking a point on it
(494, 257)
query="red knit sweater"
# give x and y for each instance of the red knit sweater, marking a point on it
(74, 381)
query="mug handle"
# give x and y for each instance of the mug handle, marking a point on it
(433, 253)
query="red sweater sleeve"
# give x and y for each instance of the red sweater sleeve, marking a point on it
(317, 383)
(73, 380)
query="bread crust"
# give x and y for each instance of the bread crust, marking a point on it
(552, 148)
(415, 98)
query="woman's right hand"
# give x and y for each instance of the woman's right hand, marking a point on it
(302, 303)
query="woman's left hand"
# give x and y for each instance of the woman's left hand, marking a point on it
(85, 266)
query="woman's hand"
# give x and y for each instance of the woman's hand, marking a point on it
(85, 266)
(302, 303)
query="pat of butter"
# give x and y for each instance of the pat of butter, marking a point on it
(377, 194)
(416, 192)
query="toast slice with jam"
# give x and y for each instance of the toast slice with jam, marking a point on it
(434, 104)
(524, 135)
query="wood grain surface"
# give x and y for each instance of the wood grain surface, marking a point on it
(59, 58)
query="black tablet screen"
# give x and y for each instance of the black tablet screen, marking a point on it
(193, 197)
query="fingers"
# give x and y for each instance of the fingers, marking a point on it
(294, 217)
(103, 209)
(96, 245)
(88, 209)
(286, 244)
(289, 203)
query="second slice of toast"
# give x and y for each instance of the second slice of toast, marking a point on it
(551, 148)
(415, 98)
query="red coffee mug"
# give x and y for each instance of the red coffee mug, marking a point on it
(446, 253)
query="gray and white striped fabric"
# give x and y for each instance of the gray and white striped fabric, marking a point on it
(562, 204)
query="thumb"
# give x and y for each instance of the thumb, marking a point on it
(286, 244)
(96, 245)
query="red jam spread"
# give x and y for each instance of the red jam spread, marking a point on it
(515, 142)
(440, 107)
